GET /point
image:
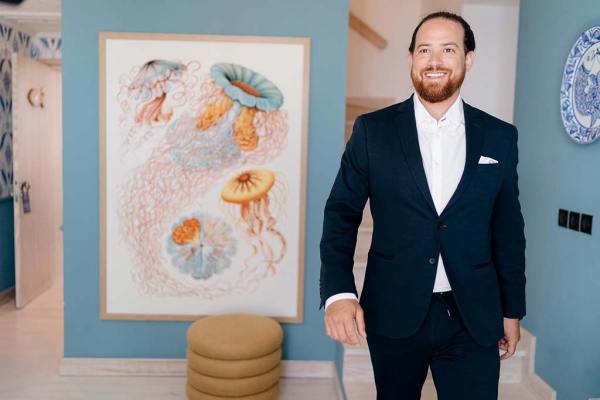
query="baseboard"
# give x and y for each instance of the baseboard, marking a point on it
(157, 367)
(7, 295)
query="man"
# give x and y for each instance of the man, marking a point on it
(445, 283)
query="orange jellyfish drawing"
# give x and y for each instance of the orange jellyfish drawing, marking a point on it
(256, 191)
(151, 86)
(248, 94)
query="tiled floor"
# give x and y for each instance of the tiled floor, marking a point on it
(31, 346)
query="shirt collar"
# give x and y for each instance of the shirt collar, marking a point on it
(453, 118)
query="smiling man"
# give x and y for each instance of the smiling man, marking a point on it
(445, 279)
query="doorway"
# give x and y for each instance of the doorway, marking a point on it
(37, 178)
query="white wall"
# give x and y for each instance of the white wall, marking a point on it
(373, 72)
(490, 85)
(429, 6)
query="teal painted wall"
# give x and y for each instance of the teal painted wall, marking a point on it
(325, 22)
(563, 266)
(7, 244)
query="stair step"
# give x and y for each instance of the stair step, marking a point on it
(359, 275)
(363, 237)
(507, 391)
(363, 242)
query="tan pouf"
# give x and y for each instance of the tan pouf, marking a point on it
(233, 387)
(269, 394)
(235, 336)
(233, 368)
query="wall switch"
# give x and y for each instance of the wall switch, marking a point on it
(563, 217)
(586, 223)
(574, 220)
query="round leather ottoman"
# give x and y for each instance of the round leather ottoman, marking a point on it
(233, 387)
(235, 336)
(269, 394)
(233, 368)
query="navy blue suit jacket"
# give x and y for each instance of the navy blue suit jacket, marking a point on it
(479, 233)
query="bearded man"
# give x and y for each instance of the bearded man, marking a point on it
(445, 281)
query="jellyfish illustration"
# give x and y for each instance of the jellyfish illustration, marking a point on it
(253, 191)
(151, 85)
(182, 160)
(148, 96)
(193, 149)
(251, 91)
(201, 246)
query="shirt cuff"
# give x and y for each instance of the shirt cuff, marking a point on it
(340, 296)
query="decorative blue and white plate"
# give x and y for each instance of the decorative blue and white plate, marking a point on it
(580, 89)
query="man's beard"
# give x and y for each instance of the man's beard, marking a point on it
(436, 92)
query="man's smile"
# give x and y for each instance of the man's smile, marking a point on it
(437, 75)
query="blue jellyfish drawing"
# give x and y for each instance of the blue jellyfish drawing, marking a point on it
(201, 245)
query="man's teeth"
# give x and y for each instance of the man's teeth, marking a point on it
(435, 74)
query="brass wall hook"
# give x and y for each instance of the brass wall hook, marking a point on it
(35, 97)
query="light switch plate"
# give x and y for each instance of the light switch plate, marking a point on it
(586, 224)
(574, 220)
(563, 218)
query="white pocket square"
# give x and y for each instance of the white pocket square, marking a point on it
(487, 160)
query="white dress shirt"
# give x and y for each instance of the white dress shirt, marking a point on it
(443, 150)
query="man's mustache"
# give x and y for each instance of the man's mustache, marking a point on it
(436, 70)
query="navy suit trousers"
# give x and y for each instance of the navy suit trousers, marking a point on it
(461, 368)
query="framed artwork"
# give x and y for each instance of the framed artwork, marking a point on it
(202, 175)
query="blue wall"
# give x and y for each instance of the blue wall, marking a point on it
(563, 266)
(7, 244)
(324, 21)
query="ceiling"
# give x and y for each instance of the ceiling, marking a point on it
(32, 16)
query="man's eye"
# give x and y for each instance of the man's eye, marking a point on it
(423, 50)
(449, 50)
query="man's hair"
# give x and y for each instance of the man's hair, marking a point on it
(469, 38)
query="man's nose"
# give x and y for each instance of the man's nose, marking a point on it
(434, 60)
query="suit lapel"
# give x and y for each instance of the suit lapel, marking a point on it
(407, 126)
(474, 140)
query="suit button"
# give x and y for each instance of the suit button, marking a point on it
(441, 225)
(431, 260)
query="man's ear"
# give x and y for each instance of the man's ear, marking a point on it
(409, 60)
(469, 60)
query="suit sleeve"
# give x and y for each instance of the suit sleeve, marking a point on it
(342, 216)
(508, 239)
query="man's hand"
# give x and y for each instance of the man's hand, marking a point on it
(512, 335)
(340, 318)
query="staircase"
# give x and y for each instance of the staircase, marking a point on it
(518, 380)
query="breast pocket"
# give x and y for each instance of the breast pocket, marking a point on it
(487, 179)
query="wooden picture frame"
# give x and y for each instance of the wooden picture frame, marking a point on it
(203, 149)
